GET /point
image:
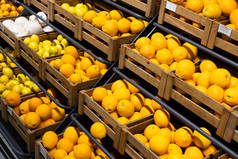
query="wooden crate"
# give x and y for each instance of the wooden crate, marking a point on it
(148, 7)
(131, 142)
(96, 112)
(11, 38)
(32, 57)
(29, 136)
(207, 107)
(231, 131)
(143, 67)
(62, 84)
(86, 31)
(223, 37)
(42, 5)
(170, 12)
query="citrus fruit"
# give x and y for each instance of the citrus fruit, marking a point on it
(193, 152)
(227, 6)
(115, 14)
(49, 140)
(141, 138)
(24, 107)
(44, 111)
(204, 79)
(141, 42)
(109, 103)
(173, 148)
(231, 96)
(75, 78)
(118, 84)
(172, 42)
(125, 108)
(136, 116)
(13, 99)
(183, 137)
(32, 120)
(148, 51)
(160, 148)
(68, 59)
(71, 50)
(185, 69)
(110, 27)
(159, 42)
(131, 87)
(234, 82)
(137, 100)
(164, 56)
(59, 154)
(210, 150)
(71, 134)
(194, 5)
(57, 113)
(93, 71)
(98, 130)
(234, 16)
(207, 65)
(82, 151)
(216, 92)
(122, 93)
(67, 70)
(136, 26)
(212, 10)
(34, 103)
(123, 120)
(99, 21)
(150, 131)
(99, 93)
(200, 140)
(88, 16)
(161, 118)
(65, 144)
(84, 139)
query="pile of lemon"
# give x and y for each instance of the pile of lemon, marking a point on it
(7, 9)
(6, 61)
(75, 144)
(78, 68)
(212, 9)
(114, 24)
(168, 143)
(168, 53)
(124, 102)
(36, 112)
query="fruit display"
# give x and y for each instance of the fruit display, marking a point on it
(124, 102)
(209, 8)
(35, 112)
(113, 23)
(7, 9)
(167, 142)
(75, 144)
(24, 26)
(19, 83)
(78, 68)
(47, 48)
(6, 61)
(168, 53)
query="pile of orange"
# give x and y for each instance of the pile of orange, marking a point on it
(36, 112)
(212, 9)
(78, 68)
(75, 144)
(124, 102)
(114, 23)
(166, 142)
(9, 10)
(168, 53)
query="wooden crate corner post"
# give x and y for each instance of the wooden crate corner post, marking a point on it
(51, 9)
(122, 56)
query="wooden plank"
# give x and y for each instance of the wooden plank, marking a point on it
(228, 46)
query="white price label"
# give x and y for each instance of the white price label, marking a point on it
(224, 30)
(42, 151)
(171, 6)
(9, 110)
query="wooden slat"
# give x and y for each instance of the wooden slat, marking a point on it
(227, 46)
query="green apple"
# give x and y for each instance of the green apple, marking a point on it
(46, 43)
(64, 42)
(35, 38)
(25, 90)
(2, 58)
(27, 40)
(35, 88)
(34, 46)
(21, 78)
(2, 87)
(17, 89)
(28, 84)
(4, 79)
(7, 71)
(4, 93)
(60, 37)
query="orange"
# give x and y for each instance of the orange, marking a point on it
(179, 53)
(109, 103)
(207, 65)
(150, 131)
(68, 59)
(194, 49)
(98, 130)
(204, 79)
(234, 82)
(161, 118)
(71, 50)
(71, 134)
(20, 9)
(215, 92)
(227, 6)
(99, 93)
(148, 51)
(183, 137)
(210, 150)
(220, 77)
(234, 16)
(185, 69)
(67, 70)
(141, 138)
(17, 110)
(24, 107)
(122, 93)
(46, 123)
(172, 42)
(124, 25)
(118, 84)
(13, 13)
(32, 120)
(13, 99)
(85, 63)
(34, 103)
(59, 154)
(136, 116)
(194, 5)
(164, 56)
(93, 71)
(82, 151)
(195, 76)
(49, 140)
(173, 66)
(58, 63)
(123, 120)
(174, 149)
(157, 35)
(99, 21)
(137, 100)
(136, 26)
(75, 78)
(159, 42)
(65, 144)
(193, 152)
(110, 27)
(160, 148)
(57, 113)
(231, 96)
(115, 14)
(88, 17)
(131, 87)
(141, 42)
(212, 10)
(44, 111)
(100, 65)
(125, 108)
